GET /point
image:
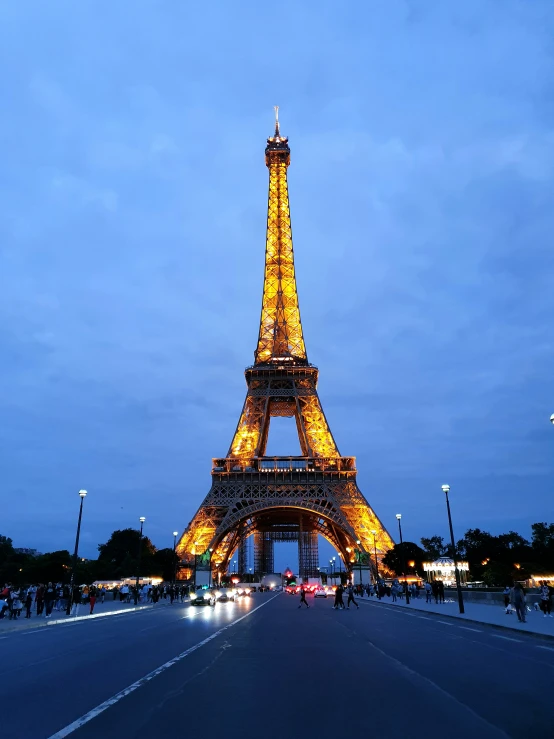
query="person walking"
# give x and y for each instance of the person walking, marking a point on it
(394, 592)
(518, 596)
(92, 594)
(28, 603)
(545, 600)
(441, 591)
(351, 597)
(428, 592)
(102, 594)
(506, 593)
(76, 600)
(39, 598)
(49, 599)
(303, 598)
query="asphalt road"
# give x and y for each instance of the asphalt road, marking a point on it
(262, 667)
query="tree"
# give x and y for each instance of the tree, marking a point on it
(434, 547)
(542, 544)
(6, 549)
(164, 563)
(411, 553)
(118, 556)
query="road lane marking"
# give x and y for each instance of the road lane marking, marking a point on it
(67, 730)
(90, 616)
(507, 638)
(468, 628)
(425, 618)
(550, 649)
(446, 623)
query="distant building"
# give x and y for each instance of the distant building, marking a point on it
(26, 550)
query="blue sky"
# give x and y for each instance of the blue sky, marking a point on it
(133, 193)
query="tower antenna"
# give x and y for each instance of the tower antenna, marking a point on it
(277, 132)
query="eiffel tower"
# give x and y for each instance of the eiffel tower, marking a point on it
(281, 498)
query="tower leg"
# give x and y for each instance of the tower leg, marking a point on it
(243, 557)
(263, 553)
(308, 554)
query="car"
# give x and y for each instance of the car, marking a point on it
(320, 593)
(202, 598)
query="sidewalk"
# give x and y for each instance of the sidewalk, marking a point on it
(106, 609)
(493, 615)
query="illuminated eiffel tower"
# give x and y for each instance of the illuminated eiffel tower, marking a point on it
(281, 498)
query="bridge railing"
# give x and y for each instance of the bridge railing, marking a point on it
(283, 464)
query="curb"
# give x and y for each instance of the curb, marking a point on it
(456, 619)
(75, 619)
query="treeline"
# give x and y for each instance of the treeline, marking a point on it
(117, 558)
(495, 560)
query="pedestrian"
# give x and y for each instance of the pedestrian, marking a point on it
(441, 591)
(92, 593)
(394, 592)
(545, 600)
(76, 600)
(351, 597)
(39, 599)
(518, 597)
(28, 603)
(428, 592)
(338, 597)
(303, 598)
(506, 593)
(49, 599)
(102, 594)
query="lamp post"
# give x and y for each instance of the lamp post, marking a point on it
(174, 557)
(399, 516)
(82, 495)
(196, 545)
(142, 519)
(446, 490)
(358, 542)
(211, 551)
(334, 570)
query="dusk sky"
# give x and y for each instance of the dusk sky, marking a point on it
(134, 195)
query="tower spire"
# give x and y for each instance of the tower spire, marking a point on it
(280, 337)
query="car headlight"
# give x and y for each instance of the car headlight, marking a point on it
(193, 596)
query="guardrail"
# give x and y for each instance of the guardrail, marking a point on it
(284, 464)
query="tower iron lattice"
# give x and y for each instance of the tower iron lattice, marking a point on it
(281, 498)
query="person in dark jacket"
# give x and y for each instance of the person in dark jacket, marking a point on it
(77, 599)
(303, 598)
(28, 603)
(49, 599)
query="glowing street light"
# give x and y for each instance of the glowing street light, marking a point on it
(142, 519)
(82, 495)
(399, 516)
(175, 533)
(445, 490)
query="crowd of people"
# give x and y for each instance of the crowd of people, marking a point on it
(43, 599)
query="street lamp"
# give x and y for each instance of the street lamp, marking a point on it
(446, 490)
(142, 519)
(399, 516)
(358, 542)
(334, 570)
(196, 545)
(82, 495)
(174, 557)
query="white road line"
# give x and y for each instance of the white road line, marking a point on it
(507, 638)
(467, 628)
(89, 617)
(550, 649)
(446, 623)
(425, 618)
(67, 730)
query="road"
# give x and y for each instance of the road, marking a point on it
(264, 667)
